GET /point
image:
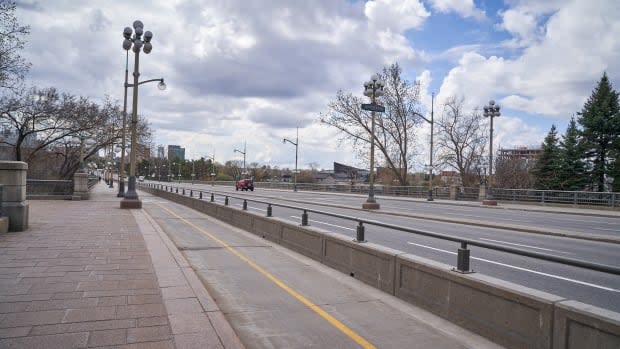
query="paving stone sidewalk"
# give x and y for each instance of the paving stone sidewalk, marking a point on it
(87, 274)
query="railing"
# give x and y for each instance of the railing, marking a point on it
(41, 187)
(575, 198)
(92, 180)
(463, 253)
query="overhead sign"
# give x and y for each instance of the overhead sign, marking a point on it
(374, 107)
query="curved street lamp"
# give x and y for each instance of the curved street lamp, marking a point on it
(135, 43)
(296, 143)
(490, 111)
(373, 89)
(242, 152)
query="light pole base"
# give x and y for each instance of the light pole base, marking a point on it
(121, 189)
(131, 203)
(489, 202)
(370, 206)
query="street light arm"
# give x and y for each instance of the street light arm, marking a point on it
(286, 140)
(161, 80)
(239, 151)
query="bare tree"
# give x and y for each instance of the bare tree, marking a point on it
(513, 172)
(395, 129)
(461, 139)
(13, 66)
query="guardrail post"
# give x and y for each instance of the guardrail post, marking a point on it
(269, 210)
(191, 193)
(245, 205)
(183, 191)
(542, 197)
(613, 200)
(304, 218)
(360, 233)
(177, 188)
(226, 201)
(462, 259)
(200, 195)
(212, 197)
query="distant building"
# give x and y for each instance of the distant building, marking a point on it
(161, 152)
(521, 152)
(451, 177)
(175, 151)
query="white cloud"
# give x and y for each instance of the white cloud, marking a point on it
(396, 15)
(554, 75)
(465, 8)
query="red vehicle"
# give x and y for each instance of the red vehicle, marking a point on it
(245, 184)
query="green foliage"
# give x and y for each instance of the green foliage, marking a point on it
(573, 168)
(600, 120)
(548, 166)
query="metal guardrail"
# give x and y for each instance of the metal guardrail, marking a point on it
(463, 253)
(92, 180)
(575, 198)
(49, 187)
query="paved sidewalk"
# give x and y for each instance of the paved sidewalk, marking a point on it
(88, 274)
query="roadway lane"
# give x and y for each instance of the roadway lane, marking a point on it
(581, 224)
(590, 287)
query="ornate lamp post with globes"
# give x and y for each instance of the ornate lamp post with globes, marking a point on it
(372, 89)
(490, 111)
(135, 42)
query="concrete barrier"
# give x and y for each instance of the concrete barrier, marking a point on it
(303, 240)
(268, 228)
(506, 313)
(579, 325)
(373, 264)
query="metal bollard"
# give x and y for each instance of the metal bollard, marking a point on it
(245, 205)
(177, 190)
(226, 201)
(269, 210)
(183, 191)
(191, 193)
(462, 259)
(304, 218)
(212, 197)
(200, 195)
(360, 232)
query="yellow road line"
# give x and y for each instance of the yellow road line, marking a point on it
(325, 315)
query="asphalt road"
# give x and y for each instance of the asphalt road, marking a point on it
(596, 288)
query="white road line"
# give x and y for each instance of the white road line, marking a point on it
(331, 225)
(527, 270)
(512, 243)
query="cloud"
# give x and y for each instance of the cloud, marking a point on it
(465, 8)
(554, 75)
(396, 15)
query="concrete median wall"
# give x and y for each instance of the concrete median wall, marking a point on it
(508, 314)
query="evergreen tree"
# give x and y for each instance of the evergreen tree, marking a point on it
(547, 169)
(600, 121)
(573, 168)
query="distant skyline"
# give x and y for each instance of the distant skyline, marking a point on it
(254, 70)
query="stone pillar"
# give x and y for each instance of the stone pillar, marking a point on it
(482, 192)
(80, 186)
(14, 204)
(454, 192)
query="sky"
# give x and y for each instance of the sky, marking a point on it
(252, 71)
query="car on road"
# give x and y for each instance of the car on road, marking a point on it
(245, 184)
(141, 179)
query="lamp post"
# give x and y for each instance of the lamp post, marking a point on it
(193, 171)
(296, 143)
(135, 42)
(242, 152)
(161, 86)
(212, 169)
(430, 165)
(372, 89)
(490, 111)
